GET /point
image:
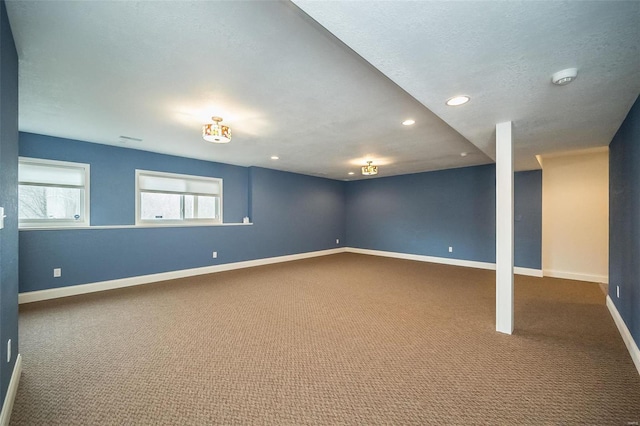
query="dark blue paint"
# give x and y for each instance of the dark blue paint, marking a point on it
(92, 255)
(624, 220)
(425, 213)
(292, 214)
(8, 200)
(113, 175)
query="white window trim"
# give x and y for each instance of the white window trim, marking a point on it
(61, 223)
(176, 222)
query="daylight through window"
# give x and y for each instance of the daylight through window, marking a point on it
(167, 198)
(52, 193)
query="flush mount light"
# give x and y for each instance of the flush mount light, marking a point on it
(275, 157)
(216, 132)
(408, 122)
(458, 100)
(564, 77)
(463, 154)
(351, 173)
(369, 169)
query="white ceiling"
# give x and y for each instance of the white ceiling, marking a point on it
(325, 102)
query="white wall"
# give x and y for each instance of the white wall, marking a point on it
(575, 215)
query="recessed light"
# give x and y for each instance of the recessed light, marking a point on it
(351, 173)
(408, 122)
(458, 100)
(275, 157)
(463, 154)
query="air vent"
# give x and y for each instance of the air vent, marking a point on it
(129, 139)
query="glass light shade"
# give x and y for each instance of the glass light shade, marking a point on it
(216, 133)
(369, 170)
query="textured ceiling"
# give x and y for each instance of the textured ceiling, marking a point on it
(158, 70)
(502, 55)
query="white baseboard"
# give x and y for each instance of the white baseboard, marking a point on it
(7, 406)
(576, 276)
(54, 293)
(527, 271)
(632, 347)
(443, 260)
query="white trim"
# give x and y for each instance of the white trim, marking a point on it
(442, 260)
(67, 228)
(423, 258)
(176, 176)
(576, 276)
(86, 195)
(527, 271)
(54, 293)
(632, 347)
(7, 406)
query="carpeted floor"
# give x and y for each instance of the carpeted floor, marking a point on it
(338, 340)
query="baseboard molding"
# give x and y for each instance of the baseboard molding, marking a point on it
(54, 293)
(632, 347)
(576, 276)
(443, 260)
(528, 271)
(7, 406)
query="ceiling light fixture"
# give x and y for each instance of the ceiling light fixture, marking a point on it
(275, 157)
(216, 132)
(369, 169)
(458, 100)
(564, 77)
(463, 154)
(351, 173)
(408, 122)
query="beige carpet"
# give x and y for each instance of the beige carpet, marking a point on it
(339, 340)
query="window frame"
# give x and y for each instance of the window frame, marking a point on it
(85, 195)
(182, 221)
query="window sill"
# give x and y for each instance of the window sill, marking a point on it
(68, 228)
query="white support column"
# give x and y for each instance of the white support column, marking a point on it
(504, 228)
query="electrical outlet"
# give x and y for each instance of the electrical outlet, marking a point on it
(450, 249)
(9, 350)
(618, 291)
(337, 240)
(214, 255)
(57, 272)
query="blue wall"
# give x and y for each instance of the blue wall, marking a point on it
(113, 175)
(425, 213)
(422, 213)
(624, 220)
(291, 213)
(8, 200)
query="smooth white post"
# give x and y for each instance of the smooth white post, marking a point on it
(504, 228)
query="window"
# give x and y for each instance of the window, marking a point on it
(167, 198)
(52, 193)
